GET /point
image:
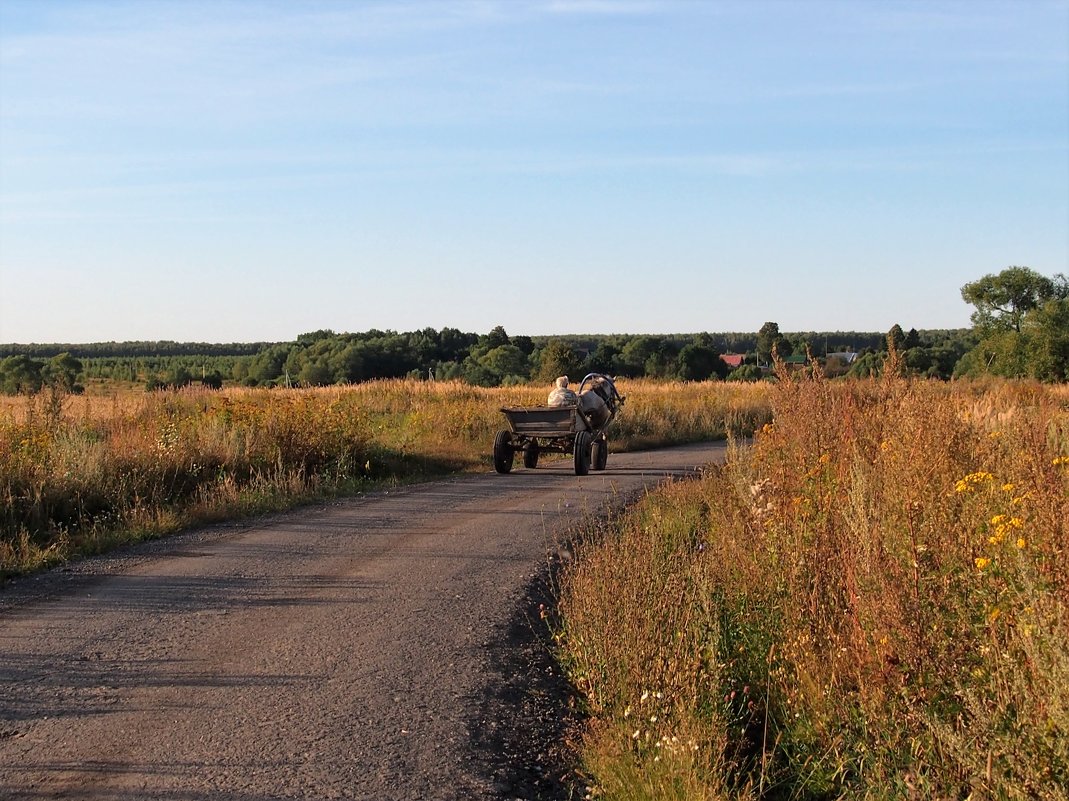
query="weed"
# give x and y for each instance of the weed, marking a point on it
(872, 601)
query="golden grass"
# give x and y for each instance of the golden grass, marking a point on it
(872, 601)
(79, 474)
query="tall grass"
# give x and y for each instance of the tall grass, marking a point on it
(79, 474)
(870, 602)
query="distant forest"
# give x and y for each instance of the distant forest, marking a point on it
(1020, 330)
(492, 359)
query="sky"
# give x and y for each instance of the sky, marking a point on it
(250, 171)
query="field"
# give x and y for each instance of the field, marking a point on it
(871, 601)
(79, 474)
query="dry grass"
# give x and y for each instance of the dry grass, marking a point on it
(872, 601)
(78, 474)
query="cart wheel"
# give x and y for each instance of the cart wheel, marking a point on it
(599, 454)
(582, 453)
(530, 455)
(503, 452)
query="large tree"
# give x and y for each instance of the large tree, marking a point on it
(767, 338)
(1004, 299)
(1022, 319)
(20, 374)
(62, 372)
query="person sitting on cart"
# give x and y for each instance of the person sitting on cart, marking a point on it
(561, 395)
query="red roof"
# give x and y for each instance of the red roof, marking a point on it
(733, 359)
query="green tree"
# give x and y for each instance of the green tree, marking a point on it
(478, 374)
(524, 343)
(1002, 300)
(603, 359)
(1047, 330)
(453, 344)
(868, 365)
(1022, 321)
(212, 380)
(180, 376)
(558, 358)
(496, 338)
(62, 372)
(347, 364)
(663, 362)
(268, 364)
(636, 354)
(767, 337)
(506, 361)
(746, 372)
(315, 336)
(315, 374)
(699, 362)
(20, 374)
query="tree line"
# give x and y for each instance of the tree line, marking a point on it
(132, 349)
(1020, 329)
(492, 359)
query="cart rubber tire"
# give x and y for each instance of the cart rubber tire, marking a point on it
(581, 453)
(530, 455)
(599, 454)
(503, 452)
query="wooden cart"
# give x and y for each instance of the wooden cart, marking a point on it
(577, 429)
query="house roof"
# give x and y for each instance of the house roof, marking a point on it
(733, 359)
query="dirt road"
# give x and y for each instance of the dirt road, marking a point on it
(374, 648)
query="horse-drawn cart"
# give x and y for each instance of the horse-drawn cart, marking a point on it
(578, 429)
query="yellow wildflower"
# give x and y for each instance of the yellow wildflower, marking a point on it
(1060, 460)
(1003, 524)
(970, 481)
(993, 615)
(982, 562)
(1021, 542)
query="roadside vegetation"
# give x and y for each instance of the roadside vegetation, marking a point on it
(79, 474)
(870, 601)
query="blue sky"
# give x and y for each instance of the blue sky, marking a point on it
(224, 171)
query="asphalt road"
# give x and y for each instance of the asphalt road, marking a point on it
(383, 647)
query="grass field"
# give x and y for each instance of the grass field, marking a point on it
(79, 474)
(870, 602)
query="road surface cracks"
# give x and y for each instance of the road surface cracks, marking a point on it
(382, 647)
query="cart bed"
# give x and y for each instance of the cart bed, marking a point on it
(542, 421)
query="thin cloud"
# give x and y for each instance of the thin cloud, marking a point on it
(603, 7)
